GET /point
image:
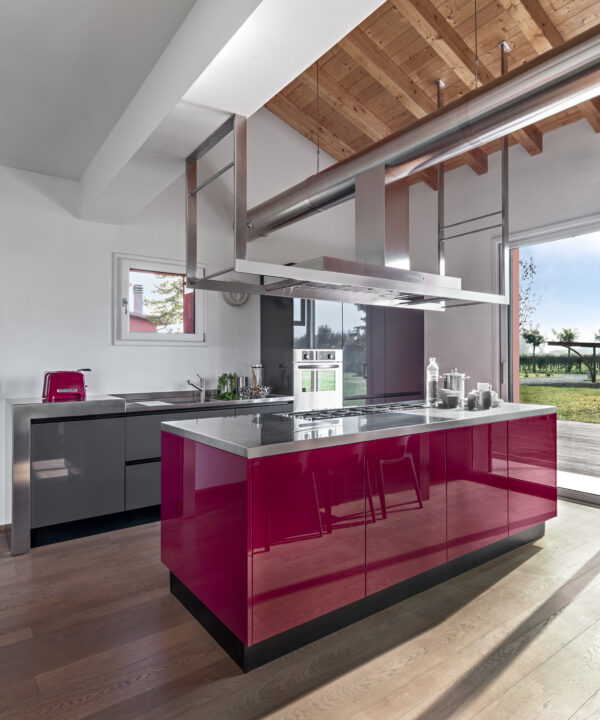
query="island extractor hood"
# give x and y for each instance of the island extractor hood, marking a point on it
(553, 82)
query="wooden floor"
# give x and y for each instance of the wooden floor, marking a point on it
(88, 629)
(579, 447)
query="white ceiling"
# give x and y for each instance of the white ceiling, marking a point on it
(68, 70)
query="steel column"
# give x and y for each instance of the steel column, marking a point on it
(240, 187)
(191, 220)
(504, 268)
(441, 194)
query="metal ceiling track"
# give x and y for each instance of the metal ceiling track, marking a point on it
(555, 81)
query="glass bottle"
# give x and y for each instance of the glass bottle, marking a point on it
(432, 379)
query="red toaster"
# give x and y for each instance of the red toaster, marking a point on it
(64, 385)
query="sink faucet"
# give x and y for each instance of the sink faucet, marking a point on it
(200, 386)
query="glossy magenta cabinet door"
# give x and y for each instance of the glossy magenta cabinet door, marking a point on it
(205, 527)
(405, 507)
(477, 487)
(308, 536)
(531, 471)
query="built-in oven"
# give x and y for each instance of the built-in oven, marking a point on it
(318, 379)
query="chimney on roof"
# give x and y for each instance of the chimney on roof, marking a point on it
(138, 299)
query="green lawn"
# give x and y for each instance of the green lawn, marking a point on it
(354, 385)
(582, 404)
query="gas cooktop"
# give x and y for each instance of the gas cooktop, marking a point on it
(355, 411)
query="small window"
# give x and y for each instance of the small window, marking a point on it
(153, 304)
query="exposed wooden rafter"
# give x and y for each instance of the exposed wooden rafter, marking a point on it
(383, 69)
(429, 177)
(304, 123)
(343, 102)
(477, 160)
(454, 51)
(443, 39)
(382, 76)
(543, 35)
(591, 112)
(530, 138)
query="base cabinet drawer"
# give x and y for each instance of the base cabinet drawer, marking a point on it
(142, 433)
(77, 470)
(142, 485)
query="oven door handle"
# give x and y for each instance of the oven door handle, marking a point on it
(320, 366)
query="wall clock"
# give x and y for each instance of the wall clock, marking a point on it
(235, 298)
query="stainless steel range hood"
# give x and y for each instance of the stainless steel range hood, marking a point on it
(556, 81)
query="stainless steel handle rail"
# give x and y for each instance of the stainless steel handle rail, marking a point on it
(320, 366)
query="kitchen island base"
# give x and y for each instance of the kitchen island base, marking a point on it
(249, 658)
(286, 533)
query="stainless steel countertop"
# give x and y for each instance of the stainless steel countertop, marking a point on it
(134, 403)
(254, 436)
(167, 402)
(93, 405)
(21, 412)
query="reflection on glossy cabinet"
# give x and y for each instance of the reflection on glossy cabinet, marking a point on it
(477, 487)
(204, 527)
(405, 509)
(531, 471)
(308, 536)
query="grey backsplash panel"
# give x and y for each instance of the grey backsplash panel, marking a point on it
(383, 347)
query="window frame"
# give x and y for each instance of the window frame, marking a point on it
(122, 264)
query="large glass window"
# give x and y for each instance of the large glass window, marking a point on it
(317, 324)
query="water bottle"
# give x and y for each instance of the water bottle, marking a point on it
(432, 378)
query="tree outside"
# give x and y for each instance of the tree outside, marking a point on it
(566, 335)
(167, 311)
(529, 299)
(533, 337)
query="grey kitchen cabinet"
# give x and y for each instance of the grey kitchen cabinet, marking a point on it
(77, 469)
(384, 351)
(142, 485)
(142, 432)
(271, 408)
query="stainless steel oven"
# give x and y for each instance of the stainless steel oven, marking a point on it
(318, 379)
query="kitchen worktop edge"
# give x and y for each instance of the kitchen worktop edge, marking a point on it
(226, 433)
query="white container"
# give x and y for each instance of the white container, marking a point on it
(432, 382)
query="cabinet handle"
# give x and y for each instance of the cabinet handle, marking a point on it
(324, 366)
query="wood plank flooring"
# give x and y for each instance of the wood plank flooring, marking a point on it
(88, 629)
(579, 447)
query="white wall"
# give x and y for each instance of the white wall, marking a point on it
(56, 288)
(561, 184)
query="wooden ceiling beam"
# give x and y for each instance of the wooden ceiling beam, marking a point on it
(534, 23)
(454, 51)
(591, 112)
(429, 177)
(443, 38)
(543, 35)
(477, 160)
(305, 124)
(384, 70)
(530, 138)
(346, 104)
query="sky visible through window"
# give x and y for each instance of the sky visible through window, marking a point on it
(568, 283)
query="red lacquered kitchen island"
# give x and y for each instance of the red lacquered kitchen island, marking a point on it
(277, 532)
